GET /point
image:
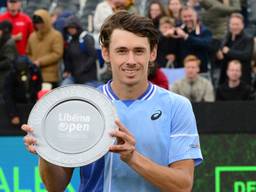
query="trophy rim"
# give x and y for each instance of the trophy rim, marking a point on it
(53, 98)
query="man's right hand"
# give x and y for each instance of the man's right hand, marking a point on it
(29, 141)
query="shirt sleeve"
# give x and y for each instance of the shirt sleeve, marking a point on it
(184, 138)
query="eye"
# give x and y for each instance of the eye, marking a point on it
(139, 51)
(121, 51)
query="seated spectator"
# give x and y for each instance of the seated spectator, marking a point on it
(157, 77)
(156, 11)
(236, 45)
(45, 47)
(193, 86)
(80, 55)
(21, 86)
(168, 46)
(174, 11)
(195, 38)
(234, 88)
(8, 52)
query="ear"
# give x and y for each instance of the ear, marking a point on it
(105, 54)
(153, 54)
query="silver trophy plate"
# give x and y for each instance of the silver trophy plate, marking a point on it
(72, 125)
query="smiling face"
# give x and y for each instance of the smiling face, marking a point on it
(236, 25)
(189, 18)
(129, 56)
(155, 11)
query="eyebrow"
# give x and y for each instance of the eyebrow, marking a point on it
(135, 48)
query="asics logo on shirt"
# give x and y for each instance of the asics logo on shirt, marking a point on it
(156, 115)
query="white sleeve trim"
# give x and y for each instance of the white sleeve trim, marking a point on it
(184, 135)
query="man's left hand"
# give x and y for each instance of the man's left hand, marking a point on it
(125, 145)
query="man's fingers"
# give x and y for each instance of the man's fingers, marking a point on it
(124, 136)
(31, 149)
(122, 127)
(28, 140)
(27, 128)
(121, 148)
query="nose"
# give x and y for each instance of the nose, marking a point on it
(131, 58)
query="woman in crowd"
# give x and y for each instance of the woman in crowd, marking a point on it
(155, 12)
(174, 10)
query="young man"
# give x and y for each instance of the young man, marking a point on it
(161, 123)
(193, 86)
(22, 24)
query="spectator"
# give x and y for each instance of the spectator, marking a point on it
(236, 45)
(234, 88)
(157, 77)
(45, 47)
(22, 24)
(215, 15)
(80, 55)
(21, 86)
(8, 51)
(168, 46)
(193, 86)
(155, 12)
(174, 10)
(195, 37)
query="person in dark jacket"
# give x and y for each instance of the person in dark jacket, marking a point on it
(168, 46)
(21, 86)
(80, 55)
(234, 88)
(8, 51)
(236, 45)
(195, 38)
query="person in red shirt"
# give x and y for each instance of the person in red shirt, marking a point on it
(22, 24)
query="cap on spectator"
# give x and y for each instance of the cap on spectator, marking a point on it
(37, 19)
(6, 26)
(13, 1)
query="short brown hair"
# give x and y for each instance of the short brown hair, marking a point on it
(131, 22)
(191, 58)
(167, 20)
(237, 15)
(236, 62)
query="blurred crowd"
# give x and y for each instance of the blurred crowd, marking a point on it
(49, 43)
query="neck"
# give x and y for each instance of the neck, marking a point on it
(234, 83)
(129, 92)
(192, 78)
